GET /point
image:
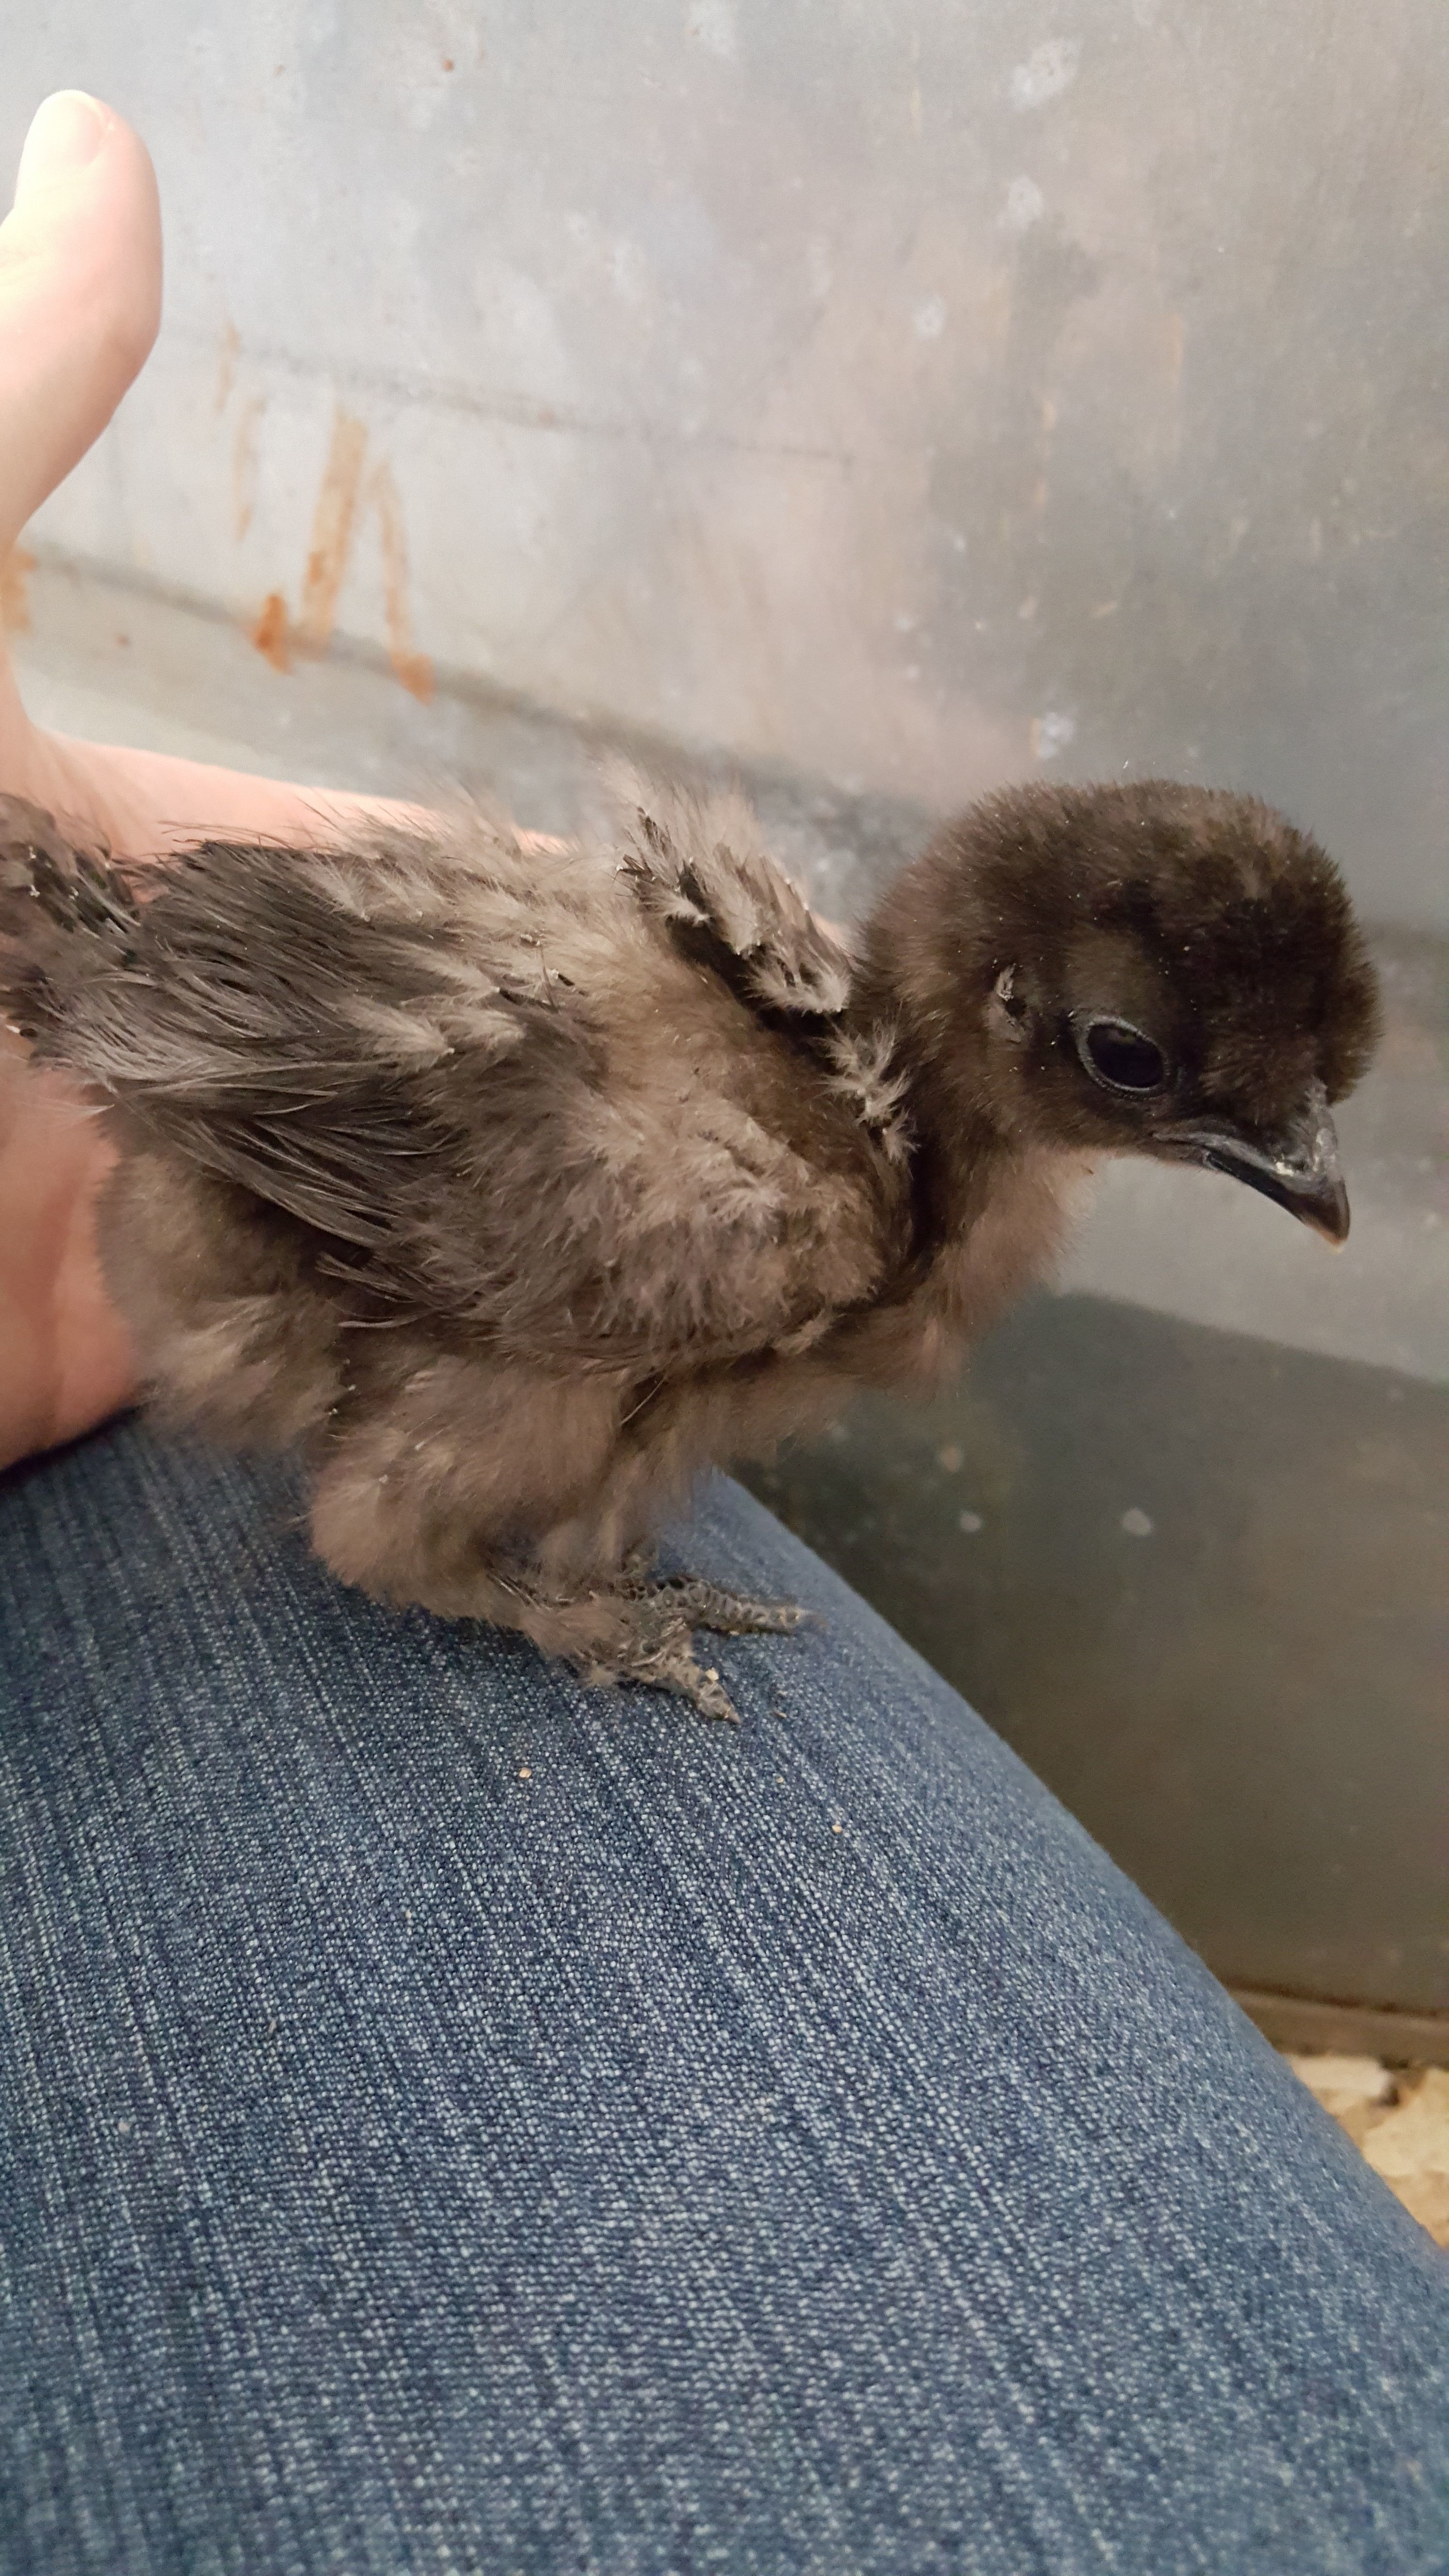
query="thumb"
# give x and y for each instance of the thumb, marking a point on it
(65, 133)
(80, 294)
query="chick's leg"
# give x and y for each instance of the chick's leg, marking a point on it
(659, 1652)
(654, 1648)
(425, 1497)
(640, 1630)
(730, 1614)
(707, 1605)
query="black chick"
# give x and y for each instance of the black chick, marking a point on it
(517, 1188)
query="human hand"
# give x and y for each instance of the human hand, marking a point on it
(80, 300)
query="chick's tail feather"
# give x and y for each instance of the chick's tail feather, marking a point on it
(66, 915)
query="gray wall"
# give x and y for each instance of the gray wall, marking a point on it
(918, 394)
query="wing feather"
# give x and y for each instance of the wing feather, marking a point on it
(426, 1051)
(699, 863)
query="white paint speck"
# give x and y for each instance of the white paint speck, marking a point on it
(628, 274)
(1025, 205)
(712, 24)
(1136, 1523)
(1047, 71)
(1050, 734)
(929, 319)
(971, 1522)
(521, 326)
(819, 268)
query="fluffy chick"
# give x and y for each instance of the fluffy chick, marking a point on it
(516, 1188)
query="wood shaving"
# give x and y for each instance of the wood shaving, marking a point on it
(1398, 2118)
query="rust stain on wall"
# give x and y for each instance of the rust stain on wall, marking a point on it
(271, 632)
(334, 525)
(342, 502)
(15, 574)
(413, 668)
(226, 366)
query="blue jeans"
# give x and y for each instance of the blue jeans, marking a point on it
(454, 2121)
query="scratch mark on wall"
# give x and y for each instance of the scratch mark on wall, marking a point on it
(1176, 349)
(1041, 488)
(226, 366)
(334, 524)
(413, 668)
(244, 465)
(395, 386)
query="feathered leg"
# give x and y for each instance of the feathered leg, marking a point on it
(429, 1500)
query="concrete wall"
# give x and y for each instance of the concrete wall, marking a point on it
(917, 391)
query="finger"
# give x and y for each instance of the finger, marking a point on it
(80, 294)
(65, 1361)
(147, 804)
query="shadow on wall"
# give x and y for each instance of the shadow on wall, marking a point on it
(1196, 1580)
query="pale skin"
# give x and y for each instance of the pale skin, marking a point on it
(80, 301)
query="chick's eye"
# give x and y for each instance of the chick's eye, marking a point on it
(1120, 1057)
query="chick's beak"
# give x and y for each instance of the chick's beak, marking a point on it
(1296, 1165)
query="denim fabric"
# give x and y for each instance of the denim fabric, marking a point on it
(457, 2122)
